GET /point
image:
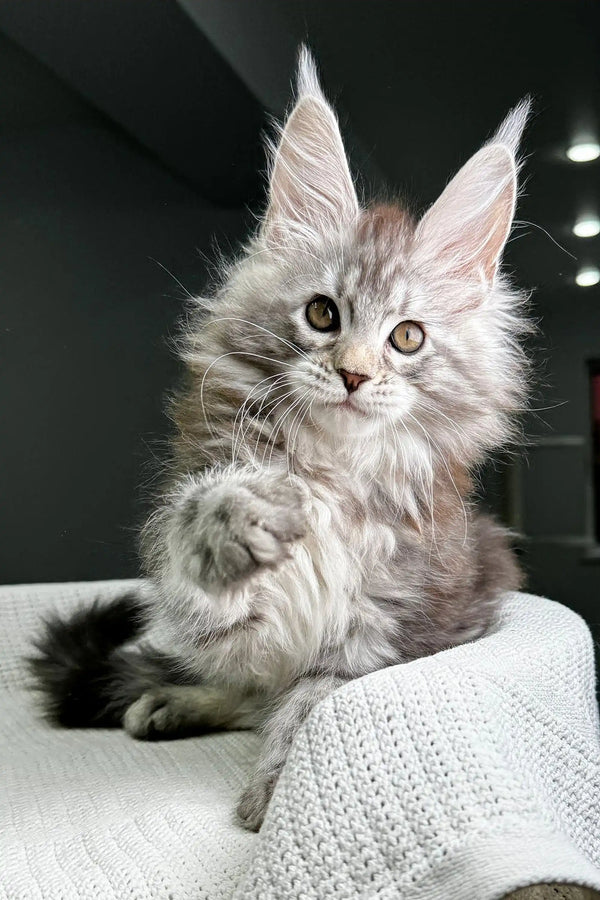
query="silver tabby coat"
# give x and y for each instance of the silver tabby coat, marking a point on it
(347, 376)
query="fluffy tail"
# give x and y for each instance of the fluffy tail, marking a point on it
(84, 675)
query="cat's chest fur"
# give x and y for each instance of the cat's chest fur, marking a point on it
(316, 610)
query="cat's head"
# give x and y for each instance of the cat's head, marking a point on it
(366, 320)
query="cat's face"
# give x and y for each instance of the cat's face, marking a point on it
(383, 343)
(380, 323)
(364, 342)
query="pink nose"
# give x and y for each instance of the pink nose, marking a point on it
(352, 379)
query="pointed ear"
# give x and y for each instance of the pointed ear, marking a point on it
(465, 230)
(311, 190)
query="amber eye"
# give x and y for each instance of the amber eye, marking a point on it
(323, 314)
(407, 337)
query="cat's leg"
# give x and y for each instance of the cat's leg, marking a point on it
(212, 533)
(286, 715)
(172, 711)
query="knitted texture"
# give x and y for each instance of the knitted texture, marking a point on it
(463, 776)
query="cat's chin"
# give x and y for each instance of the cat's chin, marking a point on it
(349, 406)
(344, 418)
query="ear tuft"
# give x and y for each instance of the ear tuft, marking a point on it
(511, 130)
(307, 77)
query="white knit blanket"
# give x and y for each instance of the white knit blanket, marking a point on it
(464, 776)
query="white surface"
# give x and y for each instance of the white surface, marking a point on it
(458, 777)
(94, 814)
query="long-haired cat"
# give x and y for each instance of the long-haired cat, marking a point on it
(351, 370)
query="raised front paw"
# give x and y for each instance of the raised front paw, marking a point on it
(254, 801)
(241, 526)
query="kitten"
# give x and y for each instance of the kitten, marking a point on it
(352, 369)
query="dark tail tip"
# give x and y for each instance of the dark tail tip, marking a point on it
(73, 669)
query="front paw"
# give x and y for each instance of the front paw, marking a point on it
(242, 526)
(254, 801)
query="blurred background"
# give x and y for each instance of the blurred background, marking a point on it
(130, 142)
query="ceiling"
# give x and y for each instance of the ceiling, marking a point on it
(419, 84)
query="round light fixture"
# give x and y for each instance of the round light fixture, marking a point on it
(586, 227)
(588, 276)
(585, 151)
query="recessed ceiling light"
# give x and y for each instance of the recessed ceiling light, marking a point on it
(587, 227)
(585, 151)
(588, 276)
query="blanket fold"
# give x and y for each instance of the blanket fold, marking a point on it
(462, 776)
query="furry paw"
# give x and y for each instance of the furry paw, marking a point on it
(241, 527)
(254, 801)
(158, 714)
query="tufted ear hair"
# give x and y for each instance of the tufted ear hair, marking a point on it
(310, 190)
(465, 231)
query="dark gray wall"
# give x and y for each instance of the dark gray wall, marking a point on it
(144, 64)
(552, 478)
(88, 221)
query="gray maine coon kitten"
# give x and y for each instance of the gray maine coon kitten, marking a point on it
(351, 370)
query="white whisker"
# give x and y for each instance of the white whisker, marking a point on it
(260, 328)
(223, 356)
(244, 409)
